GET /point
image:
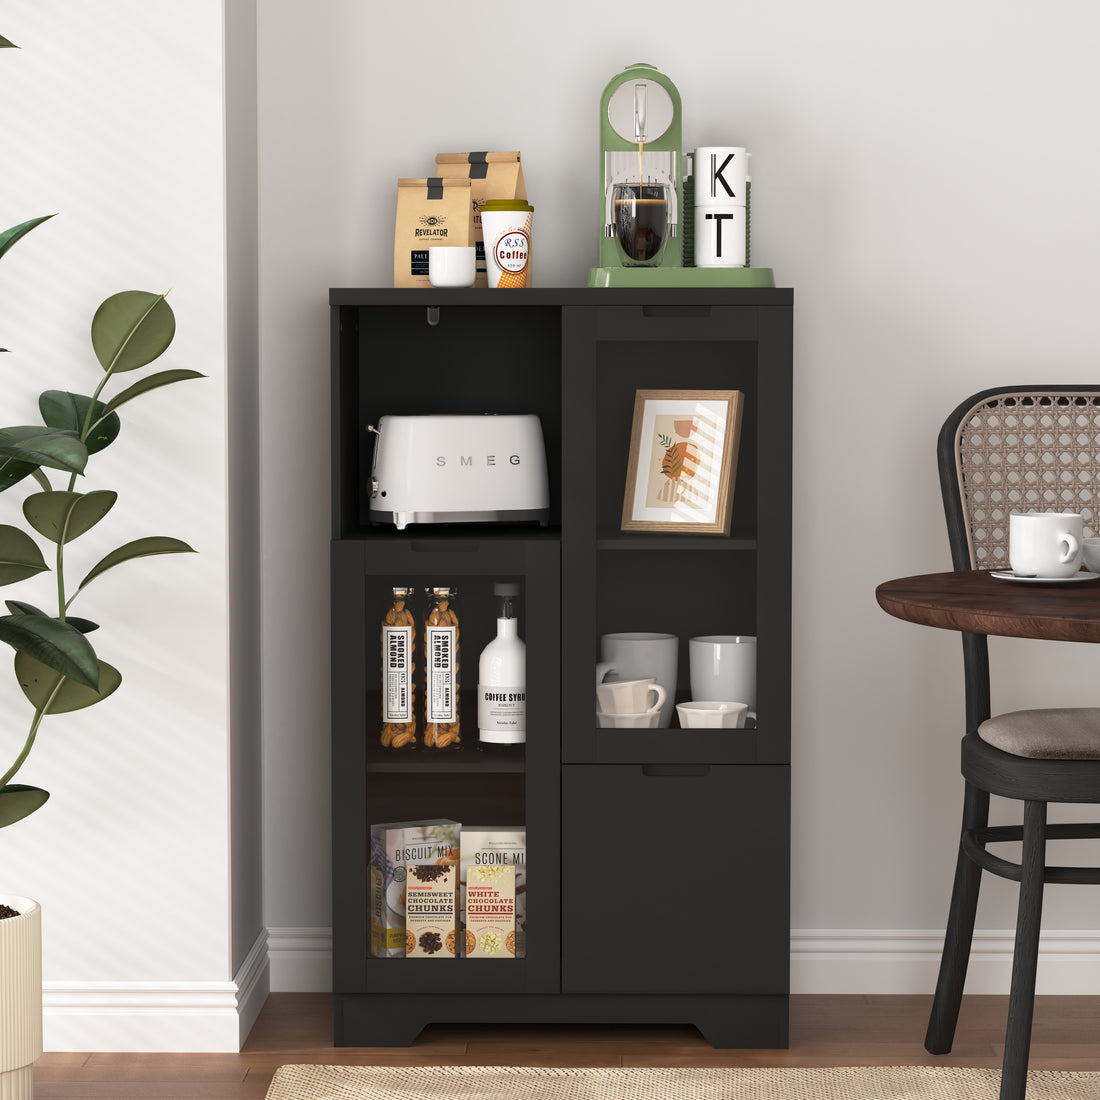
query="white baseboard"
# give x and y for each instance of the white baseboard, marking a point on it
(301, 959)
(907, 961)
(208, 1017)
(823, 960)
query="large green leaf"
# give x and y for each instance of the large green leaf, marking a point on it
(151, 382)
(131, 329)
(62, 516)
(39, 683)
(18, 607)
(18, 232)
(18, 801)
(20, 556)
(55, 643)
(54, 447)
(60, 409)
(139, 548)
(4, 42)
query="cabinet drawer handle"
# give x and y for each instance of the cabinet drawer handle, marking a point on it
(675, 311)
(676, 769)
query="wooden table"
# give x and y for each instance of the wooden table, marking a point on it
(980, 604)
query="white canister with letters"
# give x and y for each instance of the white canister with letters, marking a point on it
(721, 189)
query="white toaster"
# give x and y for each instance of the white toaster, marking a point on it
(443, 468)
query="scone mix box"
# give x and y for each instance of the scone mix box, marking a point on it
(430, 910)
(498, 846)
(491, 911)
(393, 846)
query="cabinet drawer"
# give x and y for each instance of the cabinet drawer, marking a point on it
(675, 878)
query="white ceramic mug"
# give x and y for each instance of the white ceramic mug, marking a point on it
(1045, 544)
(639, 655)
(630, 696)
(452, 265)
(714, 714)
(723, 666)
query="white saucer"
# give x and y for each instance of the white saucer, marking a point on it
(1084, 575)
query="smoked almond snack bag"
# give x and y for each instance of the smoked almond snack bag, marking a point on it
(430, 210)
(491, 176)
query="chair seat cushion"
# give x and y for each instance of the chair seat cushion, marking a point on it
(1059, 733)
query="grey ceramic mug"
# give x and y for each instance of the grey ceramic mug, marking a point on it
(723, 666)
(637, 655)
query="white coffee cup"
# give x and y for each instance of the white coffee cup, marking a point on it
(723, 666)
(639, 655)
(630, 696)
(1045, 544)
(714, 714)
(1090, 548)
(506, 227)
(647, 720)
(452, 265)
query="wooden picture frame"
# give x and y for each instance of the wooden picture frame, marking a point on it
(683, 461)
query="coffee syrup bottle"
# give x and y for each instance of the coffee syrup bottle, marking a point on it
(502, 681)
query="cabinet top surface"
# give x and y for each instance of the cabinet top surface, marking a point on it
(562, 296)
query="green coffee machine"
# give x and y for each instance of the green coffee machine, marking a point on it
(642, 213)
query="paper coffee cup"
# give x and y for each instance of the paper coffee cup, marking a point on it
(506, 227)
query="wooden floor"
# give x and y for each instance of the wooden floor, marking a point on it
(825, 1031)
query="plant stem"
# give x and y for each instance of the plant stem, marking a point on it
(39, 714)
(87, 425)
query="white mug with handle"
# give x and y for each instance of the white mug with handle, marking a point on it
(631, 696)
(1045, 544)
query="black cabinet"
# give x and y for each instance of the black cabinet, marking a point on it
(657, 859)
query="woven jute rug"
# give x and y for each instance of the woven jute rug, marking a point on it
(526, 1083)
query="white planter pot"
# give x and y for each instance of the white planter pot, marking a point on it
(20, 997)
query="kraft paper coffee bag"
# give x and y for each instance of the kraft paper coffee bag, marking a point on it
(430, 211)
(491, 176)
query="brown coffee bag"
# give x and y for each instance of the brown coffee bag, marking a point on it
(491, 176)
(430, 211)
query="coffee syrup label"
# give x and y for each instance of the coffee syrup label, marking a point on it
(502, 714)
(397, 665)
(442, 705)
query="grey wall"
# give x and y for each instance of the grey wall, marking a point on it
(925, 177)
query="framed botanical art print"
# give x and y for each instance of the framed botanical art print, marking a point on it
(683, 461)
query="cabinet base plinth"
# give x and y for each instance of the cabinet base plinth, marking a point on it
(746, 1022)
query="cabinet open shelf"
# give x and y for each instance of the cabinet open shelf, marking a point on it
(592, 800)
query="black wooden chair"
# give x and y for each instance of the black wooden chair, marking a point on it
(1003, 451)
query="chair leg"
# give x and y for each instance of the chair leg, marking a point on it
(1025, 958)
(960, 932)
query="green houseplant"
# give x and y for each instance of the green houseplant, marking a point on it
(55, 664)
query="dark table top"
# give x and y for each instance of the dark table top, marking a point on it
(981, 604)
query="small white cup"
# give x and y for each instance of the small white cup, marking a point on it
(451, 265)
(630, 696)
(713, 714)
(647, 720)
(1045, 544)
(1090, 549)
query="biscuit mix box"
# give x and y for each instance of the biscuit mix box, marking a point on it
(430, 896)
(393, 846)
(491, 912)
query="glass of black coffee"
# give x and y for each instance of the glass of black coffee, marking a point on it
(641, 222)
